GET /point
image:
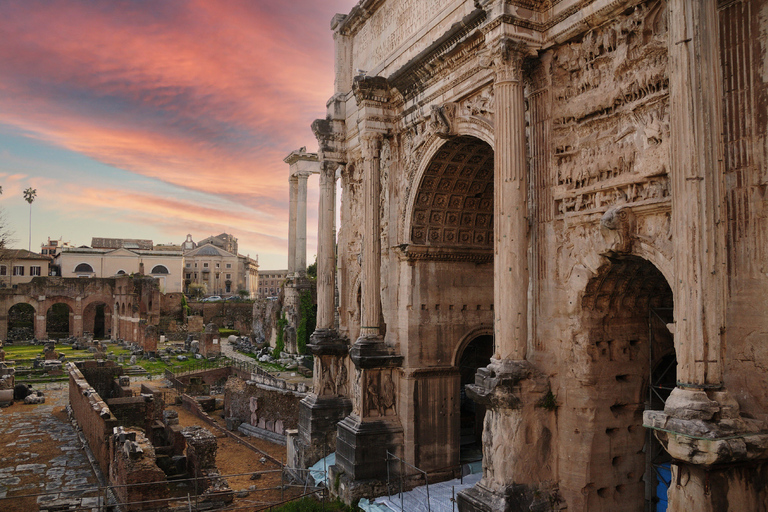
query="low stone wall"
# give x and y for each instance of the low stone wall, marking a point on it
(92, 414)
(266, 407)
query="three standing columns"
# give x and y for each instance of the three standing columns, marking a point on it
(302, 165)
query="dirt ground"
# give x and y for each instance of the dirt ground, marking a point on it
(233, 458)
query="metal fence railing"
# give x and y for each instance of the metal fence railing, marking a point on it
(104, 498)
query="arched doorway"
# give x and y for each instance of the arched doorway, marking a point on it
(477, 354)
(58, 322)
(449, 261)
(625, 312)
(97, 319)
(21, 322)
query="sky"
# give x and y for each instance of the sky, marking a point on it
(154, 119)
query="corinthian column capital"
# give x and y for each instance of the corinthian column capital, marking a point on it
(506, 58)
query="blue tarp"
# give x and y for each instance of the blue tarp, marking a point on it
(319, 471)
(664, 478)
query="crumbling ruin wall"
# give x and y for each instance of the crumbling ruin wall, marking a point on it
(230, 315)
(137, 411)
(133, 474)
(92, 415)
(276, 410)
(101, 375)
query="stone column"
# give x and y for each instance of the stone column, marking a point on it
(326, 245)
(300, 266)
(371, 272)
(510, 206)
(698, 209)
(510, 387)
(321, 410)
(701, 426)
(293, 192)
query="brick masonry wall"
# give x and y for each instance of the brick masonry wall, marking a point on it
(92, 415)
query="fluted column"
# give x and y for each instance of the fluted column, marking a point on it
(510, 292)
(293, 192)
(326, 246)
(698, 211)
(371, 272)
(300, 265)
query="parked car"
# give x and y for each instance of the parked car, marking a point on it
(233, 298)
(212, 298)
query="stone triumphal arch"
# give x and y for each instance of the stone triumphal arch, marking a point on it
(581, 182)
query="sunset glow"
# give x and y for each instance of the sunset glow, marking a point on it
(158, 119)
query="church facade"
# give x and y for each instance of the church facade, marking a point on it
(552, 252)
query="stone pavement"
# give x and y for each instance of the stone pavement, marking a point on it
(42, 458)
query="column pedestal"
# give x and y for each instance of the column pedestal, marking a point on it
(320, 411)
(515, 473)
(373, 428)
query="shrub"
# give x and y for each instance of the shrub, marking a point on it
(280, 342)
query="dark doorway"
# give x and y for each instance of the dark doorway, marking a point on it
(21, 322)
(57, 321)
(476, 355)
(98, 322)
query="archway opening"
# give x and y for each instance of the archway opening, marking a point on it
(477, 354)
(97, 320)
(451, 269)
(21, 322)
(626, 311)
(57, 321)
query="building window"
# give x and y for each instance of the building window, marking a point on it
(18, 270)
(217, 265)
(34, 271)
(3, 270)
(189, 276)
(83, 267)
(195, 265)
(189, 265)
(229, 265)
(205, 265)
(217, 275)
(229, 276)
(160, 269)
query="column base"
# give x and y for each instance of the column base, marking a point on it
(705, 428)
(327, 342)
(720, 460)
(318, 418)
(372, 352)
(361, 447)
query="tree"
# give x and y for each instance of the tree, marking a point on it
(197, 290)
(6, 235)
(29, 196)
(312, 270)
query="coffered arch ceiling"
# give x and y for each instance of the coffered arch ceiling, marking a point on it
(454, 202)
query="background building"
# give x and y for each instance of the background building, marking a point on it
(223, 272)
(165, 266)
(271, 282)
(20, 266)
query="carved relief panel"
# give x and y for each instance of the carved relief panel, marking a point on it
(610, 118)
